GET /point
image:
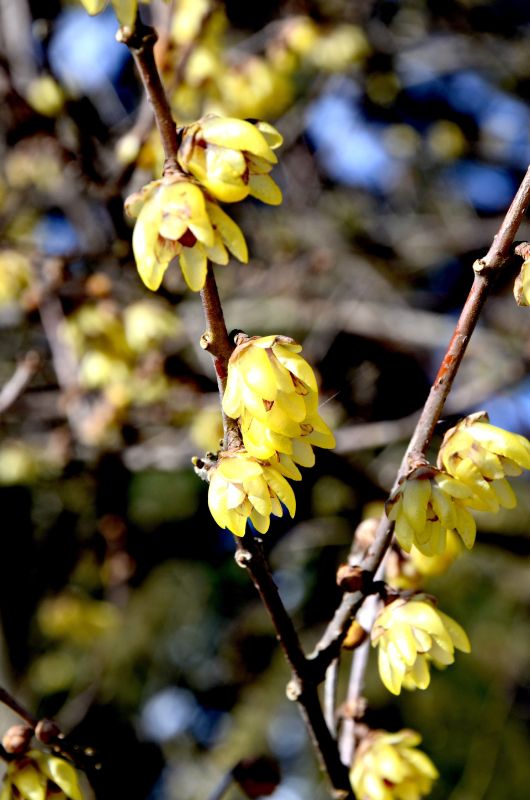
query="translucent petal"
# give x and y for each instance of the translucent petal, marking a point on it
(238, 468)
(416, 494)
(94, 6)
(458, 635)
(440, 656)
(225, 164)
(303, 453)
(374, 788)
(292, 405)
(30, 782)
(125, 11)
(144, 239)
(234, 495)
(422, 763)
(283, 489)
(286, 466)
(296, 364)
(237, 523)
(443, 506)
(487, 463)
(389, 764)
(453, 487)
(390, 677)
(321, 435)
(421, 615)
(217, 253)
(255, 367)
(504, 493)
(273, 138)
(237, 134)
(420, 674)
(263, 188)
(261, 522)
(172, 226)
(466, 526)
(511, 445)
(63, 774)
(258, 494)
(230, 232)
(404, 531)
(403, 639)
(193, 263)
(232, 404)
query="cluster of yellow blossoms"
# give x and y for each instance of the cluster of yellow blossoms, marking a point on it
(39, 776)
(410, 634)
(474, 460)
(220, 159)
(387, 766)
(272, 392)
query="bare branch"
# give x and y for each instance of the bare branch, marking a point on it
(24, 372)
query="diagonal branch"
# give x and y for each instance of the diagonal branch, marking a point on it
(486, 271)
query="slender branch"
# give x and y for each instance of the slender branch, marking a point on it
(24, 372)
(486, 270)
(302, 689)
(9, 701)
(141, 40)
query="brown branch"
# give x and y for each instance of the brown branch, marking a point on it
(24, 372)
(486, 270)
(141, 40)
(249, 554)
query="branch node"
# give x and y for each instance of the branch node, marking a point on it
(243, 558)
(293, 690)
(206, 340)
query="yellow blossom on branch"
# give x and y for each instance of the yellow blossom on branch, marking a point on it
(409, 570)
(480, 456)
(273, 392)
(174, 218)
(410, 633)
(425, 506)
(242, 488)
(40, 776)
(231, 158)
(387, 766)
(521, 288)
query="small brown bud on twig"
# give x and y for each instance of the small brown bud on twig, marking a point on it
(47, 731)
(355, 636)
(17, 738)
(353, 579)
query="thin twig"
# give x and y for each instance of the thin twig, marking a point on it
(486, 271)
(24, 372)
(9, 701)
(302, 688)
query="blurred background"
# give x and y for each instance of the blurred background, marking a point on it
(124, 616)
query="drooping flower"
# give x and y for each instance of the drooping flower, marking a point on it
(428, 504)
(175, 219)
(480, 456)
(231, 158)
(387, 766)
(273, 392)
(40, 776)
(242, 488)
(410, 633)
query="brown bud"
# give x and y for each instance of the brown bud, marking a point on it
(47, 731)
(355, 636)
(17, 738)
(353, 579)
(257, 777)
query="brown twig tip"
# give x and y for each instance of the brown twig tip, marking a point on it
(48, 732)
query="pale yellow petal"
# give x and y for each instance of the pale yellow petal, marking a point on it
(263, 188)
(193, 263)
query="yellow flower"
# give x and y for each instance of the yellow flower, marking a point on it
(175, 219)
(521, 289)
(39, 776)
(16, 275)
(252, 88)
(231, 158)
(410, 633)
(387, 766)
(242, 488)
(428, 504)
(408, 571)
(273, 391)
(480, 456)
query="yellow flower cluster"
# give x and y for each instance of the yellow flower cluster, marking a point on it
(242, 488)
(481, 456)
(474, 462)
(40, 776)
(272, 391)
(428, 505)
(387, 766)
(411, 633)
(231, 159)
